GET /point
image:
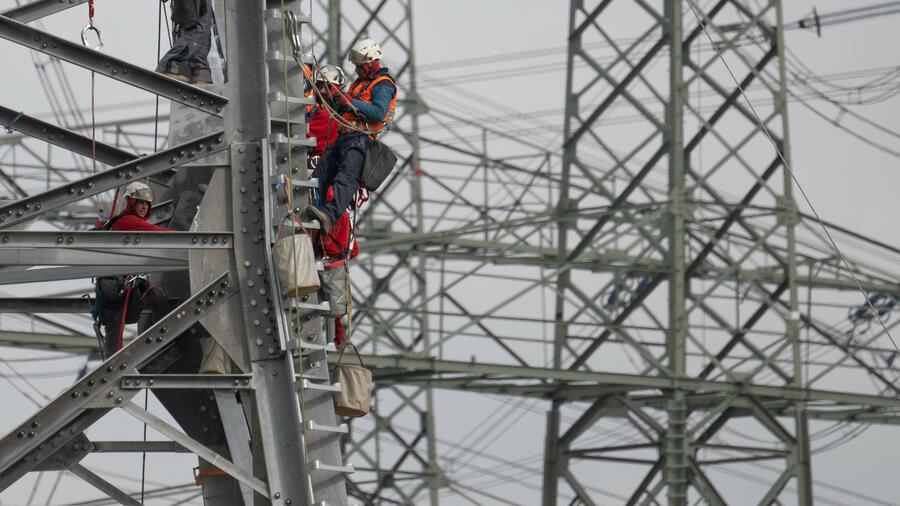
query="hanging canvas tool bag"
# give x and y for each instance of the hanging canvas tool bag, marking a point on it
(334, 284)
(355, 396)
(380, 161)
(296, 264)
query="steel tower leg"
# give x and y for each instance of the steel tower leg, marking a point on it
(802, 461)
(553, 464)
(676, 439)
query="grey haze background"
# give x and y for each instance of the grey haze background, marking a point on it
(849, 182)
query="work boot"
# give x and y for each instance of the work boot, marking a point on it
(319, 215)
(175, 70)
(202, 76)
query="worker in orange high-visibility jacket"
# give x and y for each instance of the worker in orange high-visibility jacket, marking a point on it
(366, 109)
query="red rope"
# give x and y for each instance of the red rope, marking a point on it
(91, 11)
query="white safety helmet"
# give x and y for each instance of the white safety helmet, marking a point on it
(331, 74)
(139, 191)
(364, 51)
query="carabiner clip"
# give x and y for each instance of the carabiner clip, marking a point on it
(292, 23)
(84, 33)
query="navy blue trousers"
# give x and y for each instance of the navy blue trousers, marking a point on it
(341, 170)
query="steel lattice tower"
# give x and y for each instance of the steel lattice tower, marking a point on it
(687, 292)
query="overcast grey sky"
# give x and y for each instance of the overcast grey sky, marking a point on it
(848, 182)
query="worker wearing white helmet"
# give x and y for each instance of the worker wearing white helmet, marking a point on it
(120, 299)
(138, 203)
(366, 109)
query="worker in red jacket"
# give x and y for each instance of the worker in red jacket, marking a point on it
(120, 299)
(335, 245)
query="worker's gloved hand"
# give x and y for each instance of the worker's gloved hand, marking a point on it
(343, 98)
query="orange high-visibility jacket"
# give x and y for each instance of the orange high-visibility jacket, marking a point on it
(362, 90)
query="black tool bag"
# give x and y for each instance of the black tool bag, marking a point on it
(110, 299)
(380, 161)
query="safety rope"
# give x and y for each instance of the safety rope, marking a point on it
(91, 26)
(159, 18)
(325, 103)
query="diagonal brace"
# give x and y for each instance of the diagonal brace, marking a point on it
(35, 205)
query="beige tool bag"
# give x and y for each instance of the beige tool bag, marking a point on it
(355, 396)
(296, 264)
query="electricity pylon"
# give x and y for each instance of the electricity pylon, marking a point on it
(687, 294)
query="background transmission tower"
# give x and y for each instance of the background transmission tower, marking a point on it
(653, 289)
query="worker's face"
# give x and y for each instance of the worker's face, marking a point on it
(324, 89)
(141, 207)
(368, 69)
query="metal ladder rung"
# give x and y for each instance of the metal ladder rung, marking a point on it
(308, 224)
(276, 14)
(338, 429)
(306, 183)
(329, 347)
(324, 307)
(275, 55)
(296, 183)
(277, 97)
(280, 138)
(309, 385)
(317, 465)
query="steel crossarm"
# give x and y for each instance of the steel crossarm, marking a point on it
(44, 305)
(114, 68)
(115, 240)
(35, 205)
(64, 138)
(52, 427)
(38, 9)
(573, 378)
(81, 272)
(118, 257)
